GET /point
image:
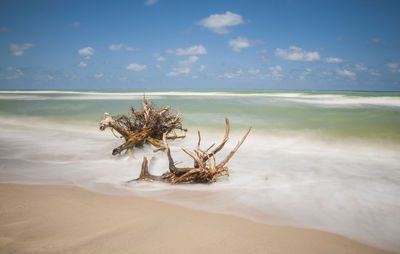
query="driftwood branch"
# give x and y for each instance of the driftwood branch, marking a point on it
(205, 168)
(146, 126)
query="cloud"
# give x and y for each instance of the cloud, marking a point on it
(178, 71)
(262, 51)
(347, 73)
(19, 49)
(218, 23)
(193, 50)
(253, 71)
(275, 72)
(333, 60)
(376, 39)
(232, 75)
(150, 2)
(294, 53)
(12, 73)
(3, 29)
(239, 43)
(136, 67)
(76, 24)
(202, 67)
(115, 47)
(49, 77)
(393, 67)
(98, 75)
(305, 73)
(373, 72)
(82, 64)
(360, 67)
(87, 52)
(184, 67)
(191, 60)
(159, 57)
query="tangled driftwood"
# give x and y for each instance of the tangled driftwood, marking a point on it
(146, 126)
(205, 167)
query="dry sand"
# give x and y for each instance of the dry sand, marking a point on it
(67, 219)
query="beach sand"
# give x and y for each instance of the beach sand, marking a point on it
(68, 219)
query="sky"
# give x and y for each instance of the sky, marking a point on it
(170, 44)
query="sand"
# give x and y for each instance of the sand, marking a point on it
(68, 219)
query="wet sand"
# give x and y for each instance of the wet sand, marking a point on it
(68, 219)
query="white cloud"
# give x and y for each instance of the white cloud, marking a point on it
(373, 72)
(347, 73)
(131, 49)
(275, 72)
(262, 51)
(253, 71)
(82, 64)
(115, 46)
(195, 77)
(123, 78)
(360, 67)
(159, 57)
(120, 46)
(98, 75)
(305, 73)
(179, 71)
(193, 50)
(136, 67)
(191, 60)
(376, 39)
(87, 52)
(150, 2)
(4, 29)
(158, 66)
(76, 24)
(333, 60)
(232, 75)
(202, 67)
(294, 53)
(12, 73)
(49, 77)
(218, 23)
(393, 67)
(239, 43)
(19, 49)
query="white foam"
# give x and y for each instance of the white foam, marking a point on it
(341, 187)
(334, 100)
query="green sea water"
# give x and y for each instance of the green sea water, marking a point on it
(365, 115)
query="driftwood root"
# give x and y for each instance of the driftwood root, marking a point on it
(205, 169)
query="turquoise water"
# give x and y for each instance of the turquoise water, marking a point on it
(316, 159)
(366, 115)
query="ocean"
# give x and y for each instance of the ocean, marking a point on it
(327, 160)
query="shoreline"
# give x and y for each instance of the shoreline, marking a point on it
(62, 218)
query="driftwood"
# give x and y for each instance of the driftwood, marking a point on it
(146, 126)
(205, 168)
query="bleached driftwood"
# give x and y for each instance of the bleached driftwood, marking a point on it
(205, 169)
(146, 126)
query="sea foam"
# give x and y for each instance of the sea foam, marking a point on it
(298, 179)
(332, 100)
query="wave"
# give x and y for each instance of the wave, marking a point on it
(333, 100)
(339, 186)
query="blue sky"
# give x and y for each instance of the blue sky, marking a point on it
(334, 45)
